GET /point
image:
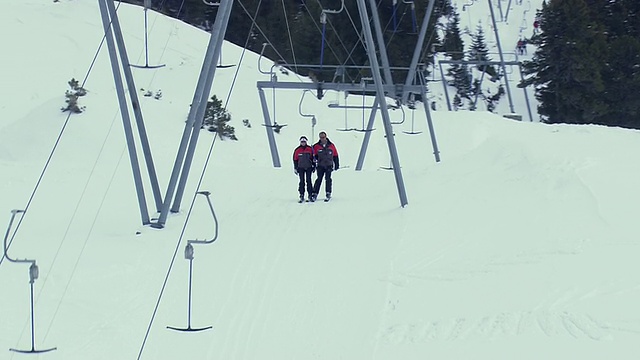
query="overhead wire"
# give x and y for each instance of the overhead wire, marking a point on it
(86, 240)
(337, 34)
(255, 24)
(84, 191)
(320, 31)
(166, 44)
(76, 210)
(202, 174)
(286, 20)
(253, 21)
(54, 147)
(360, 34)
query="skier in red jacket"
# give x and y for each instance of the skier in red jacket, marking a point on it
(326, 157)
(303, 166)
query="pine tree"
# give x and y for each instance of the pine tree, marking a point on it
(462, 80)
(453, 46)
(621, 72)
(479, 51)
(72, 96)
(567, 67)
(216, 118)
(457, 102)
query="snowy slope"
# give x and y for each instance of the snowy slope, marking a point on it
(521, 243)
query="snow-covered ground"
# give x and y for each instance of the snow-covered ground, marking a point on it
(522, 243)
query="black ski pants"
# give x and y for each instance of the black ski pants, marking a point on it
(326, 173)
(305, 176)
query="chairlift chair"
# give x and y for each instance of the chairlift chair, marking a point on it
(412, 105)
(220, 65)
(311, 116)
(364, 129)
(188, 254)
(390, 167)
(345, 107)
(336, 105)
(397, 22)
(275, 126)
(323, 21)
(33, 276)
(414, 20)
(147, 5)
(396, 107)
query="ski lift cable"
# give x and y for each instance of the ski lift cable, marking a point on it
(255, 24)
(166, 44)
(360, 35)
(147, 5)
(414, 20)
(286, 20)
(205, 166)
(323, 20)
(360, 41)
(76, 210)
(393, 33)
(394, 13)
(47, 163)
(90, 232)
(310, 116)
(219, 65)
(55, 145)
(199, 184)
(33, 276)
(320, 31)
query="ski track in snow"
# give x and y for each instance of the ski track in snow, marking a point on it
(504, 324)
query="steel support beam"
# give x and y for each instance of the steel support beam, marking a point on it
(137, 111)
(381, 45)
(502, 62)
(332, 86)
(367, 135)
(124, 111)
(208, 65)
(267, 123)
(417, 51)
(432, 134)
(483, 62)
(225, 12)
(380, 95)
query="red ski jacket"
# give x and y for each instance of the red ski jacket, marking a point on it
(326, 155)
(303, 157)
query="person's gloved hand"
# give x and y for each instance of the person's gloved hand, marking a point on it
(295, 171)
